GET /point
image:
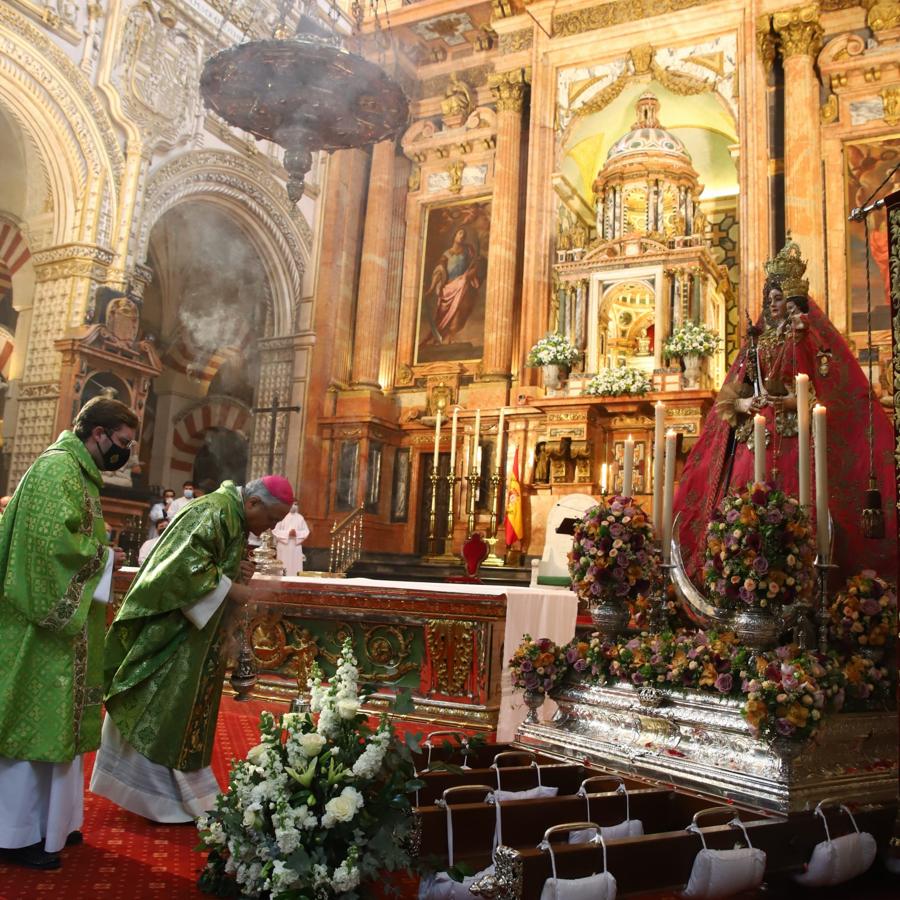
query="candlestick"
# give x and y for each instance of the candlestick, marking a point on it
(499, 451)
(453, 441)
(668, 494)
(821, 454)
(604, 477)
(476, 452)
(659, 450)
(628, 476)
(759, 448)
(802, 393)
(437, 439)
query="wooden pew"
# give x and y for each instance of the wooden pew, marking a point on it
(663, 861)
(453, 747)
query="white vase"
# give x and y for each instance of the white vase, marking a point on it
(691, 371)
(553, 375)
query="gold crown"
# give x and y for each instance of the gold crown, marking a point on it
(788, 268)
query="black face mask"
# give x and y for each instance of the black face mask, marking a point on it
(115, 457)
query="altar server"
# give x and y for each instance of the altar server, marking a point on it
(290, 533)
(165, 653)
(55, 575)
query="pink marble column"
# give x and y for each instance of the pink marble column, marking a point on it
(800, 36)
(510, 90)
(372, 300)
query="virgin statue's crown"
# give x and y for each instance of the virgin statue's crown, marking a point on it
(788, 268)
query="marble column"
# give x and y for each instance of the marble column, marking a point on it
(510, 90)
(372, 302)
(800, 37)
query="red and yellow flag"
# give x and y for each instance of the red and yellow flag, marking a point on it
(514, 528)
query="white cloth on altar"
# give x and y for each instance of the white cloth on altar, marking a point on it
(44, 800)
(541, 612)
(290, 549)
(156, 792)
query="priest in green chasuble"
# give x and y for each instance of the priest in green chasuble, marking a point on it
(55, 577)
(165, 653)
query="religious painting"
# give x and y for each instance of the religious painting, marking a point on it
(453, 287)
(638, 481)
(347, 474)
(373, 477)
(400, 489)
(868, 164)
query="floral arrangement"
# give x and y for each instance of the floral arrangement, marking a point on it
(612, 555)
(552, 350)
(318, 807)
(864, 614)
(617, 381)
(537, 665)
(786, 691)
(759, 550)
(690, 339)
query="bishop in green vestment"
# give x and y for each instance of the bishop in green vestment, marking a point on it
(165, 653)
(55, 563)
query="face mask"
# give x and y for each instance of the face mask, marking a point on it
(115, 457)
(188, 494)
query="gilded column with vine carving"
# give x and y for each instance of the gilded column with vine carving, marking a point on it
(510, 90)
(800, 38)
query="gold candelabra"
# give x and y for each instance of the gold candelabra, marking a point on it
(447, 555)
(474, 480)
(492, 559)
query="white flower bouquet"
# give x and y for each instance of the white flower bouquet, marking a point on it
(319, 807)
(689, 339)
(552, 350)
(617, 381)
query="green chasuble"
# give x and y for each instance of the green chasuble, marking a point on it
(163, 674)
(52, 555)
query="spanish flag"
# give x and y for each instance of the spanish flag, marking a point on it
(514, 529)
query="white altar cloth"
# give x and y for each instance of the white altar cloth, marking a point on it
(539, 611)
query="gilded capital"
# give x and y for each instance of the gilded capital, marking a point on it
(509, 90)
(765, 42)
(799, 30)
(882, 14)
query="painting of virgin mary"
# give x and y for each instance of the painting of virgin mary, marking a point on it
(451, 311)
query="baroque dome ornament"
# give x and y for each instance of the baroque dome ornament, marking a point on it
(306, 93)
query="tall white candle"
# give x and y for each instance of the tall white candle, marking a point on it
(453, 440)
(802, 393)
(628, 476)
(476, 452)
(604, 477)
(499, 451)
(668, 494)
(759, 448)
(437, 438)
(659, 451)
(821, 451)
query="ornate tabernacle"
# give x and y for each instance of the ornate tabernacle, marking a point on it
(701, 742)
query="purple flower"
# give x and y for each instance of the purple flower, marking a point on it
(616, 530)
(724, 682)
(774, 516)
(870, 607)
(783, 652)
(747, 596)
(571, 654)
(761, 565)
(527, 665)
(637, 678)
(580, 665)
(531, 681)
(784, 727)
(732, 516)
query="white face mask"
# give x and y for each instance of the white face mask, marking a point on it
(188, 494)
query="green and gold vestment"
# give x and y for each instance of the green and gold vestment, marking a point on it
(52, 555)
(164, 676)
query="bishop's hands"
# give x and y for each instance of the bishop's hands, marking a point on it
(246, 570)
(119, 557)
(241, 592)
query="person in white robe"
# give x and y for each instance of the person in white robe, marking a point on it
(290, 533)
(149, 544)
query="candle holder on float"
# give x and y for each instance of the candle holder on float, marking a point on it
(823, 572)
(434, 478)
(659, 609)
(452, 478)
(492, 558)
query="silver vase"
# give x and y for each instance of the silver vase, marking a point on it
(534, 700)
(757, 628)
(609, 617)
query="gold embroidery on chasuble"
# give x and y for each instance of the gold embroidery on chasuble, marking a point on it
(204, 714)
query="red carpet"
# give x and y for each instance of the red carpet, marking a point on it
(125, 857)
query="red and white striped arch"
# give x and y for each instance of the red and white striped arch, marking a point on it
(191, 425)
(202, 365)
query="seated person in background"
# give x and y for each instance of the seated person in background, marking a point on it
(148, 545)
